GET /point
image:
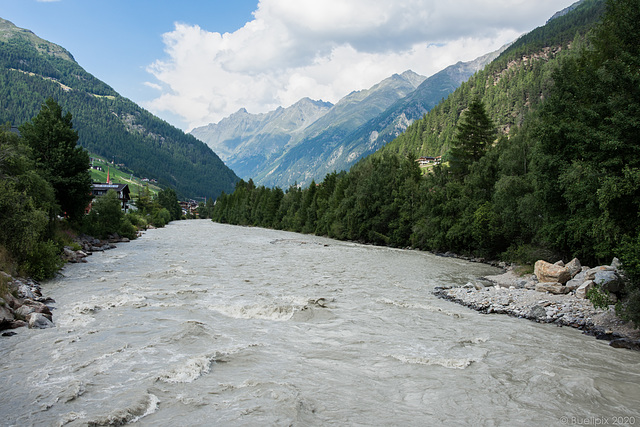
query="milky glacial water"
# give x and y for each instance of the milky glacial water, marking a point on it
(203, 324)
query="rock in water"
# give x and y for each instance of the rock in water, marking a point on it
(39, 321)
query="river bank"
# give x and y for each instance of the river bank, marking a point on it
(23, 304)
(525, 297)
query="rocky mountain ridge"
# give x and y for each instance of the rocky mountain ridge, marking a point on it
(257, 146)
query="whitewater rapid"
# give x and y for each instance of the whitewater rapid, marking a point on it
(207, 324)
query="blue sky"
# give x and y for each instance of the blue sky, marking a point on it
(194, 62)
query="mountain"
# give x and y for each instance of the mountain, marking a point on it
(338, 150)
(109, 125)
(246, 142)
(510, 86)
(329, 137)
(254, 144)
(564, 11)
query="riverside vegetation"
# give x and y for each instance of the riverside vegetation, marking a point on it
(563, 182)
(45, 187)
(108, 125)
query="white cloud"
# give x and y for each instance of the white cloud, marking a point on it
(152, 85)
(324, 50)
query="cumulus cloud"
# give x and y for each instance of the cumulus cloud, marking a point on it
(324, 50)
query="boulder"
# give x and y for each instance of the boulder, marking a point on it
(24, 311)
(615, 263)
(625, 343)
(551, 273)
(39, 321)
(552, 287)
(574, 267)
(6, 316)
(608, 281)
(38, 307)
(24, 291)
(577, 281)
(582, 290)
(591, 273)
(537, 312)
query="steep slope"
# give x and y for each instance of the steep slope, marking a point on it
(314, 157)
(324, 141)
(255, 144)
(247, 142)
(510, 86)
(33, 69)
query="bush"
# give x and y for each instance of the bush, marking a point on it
(43, 261)
(127, 229)
(160, 218)
(598, 297)
(137, 220)
(528, 254)
(629, 254)
(105, 217)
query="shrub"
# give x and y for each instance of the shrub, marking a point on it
(127, 229)
(43, 261)
(161, 217)
(598, 297)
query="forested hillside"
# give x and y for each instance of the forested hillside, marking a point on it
(510, 86)
(564, 182)
(32, 70)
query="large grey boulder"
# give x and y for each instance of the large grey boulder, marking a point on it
(591, 273)
(574, 267)
(608, 281)
(39, 321)
(577, 281)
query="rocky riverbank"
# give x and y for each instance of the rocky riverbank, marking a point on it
(23, 303)
(554, 294)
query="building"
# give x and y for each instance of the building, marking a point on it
(425, 161)
(122, 190)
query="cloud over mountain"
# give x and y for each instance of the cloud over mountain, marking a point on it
(324, 50)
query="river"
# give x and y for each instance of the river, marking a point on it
(207, 324)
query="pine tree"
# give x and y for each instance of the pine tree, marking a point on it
(474, 134)
(58, 159)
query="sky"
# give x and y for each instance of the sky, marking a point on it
(194, 62)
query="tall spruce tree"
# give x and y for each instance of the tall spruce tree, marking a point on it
(474, 134)
(59, 159)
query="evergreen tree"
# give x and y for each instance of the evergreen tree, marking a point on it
(58, 159)
(168, 199)
(474, 134)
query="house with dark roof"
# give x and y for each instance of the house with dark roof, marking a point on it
(122, 190)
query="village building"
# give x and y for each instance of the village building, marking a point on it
(189, 207)
(122, 190)
(426, 161)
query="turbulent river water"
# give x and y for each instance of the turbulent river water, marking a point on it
(206, 324)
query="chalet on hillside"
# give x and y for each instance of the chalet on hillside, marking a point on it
(122, 190)
(426, 161)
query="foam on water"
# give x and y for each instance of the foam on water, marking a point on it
(207, 324)
(444, 362)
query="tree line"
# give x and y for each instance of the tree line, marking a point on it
(45, 188)
(107, 124)
(564, 183)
